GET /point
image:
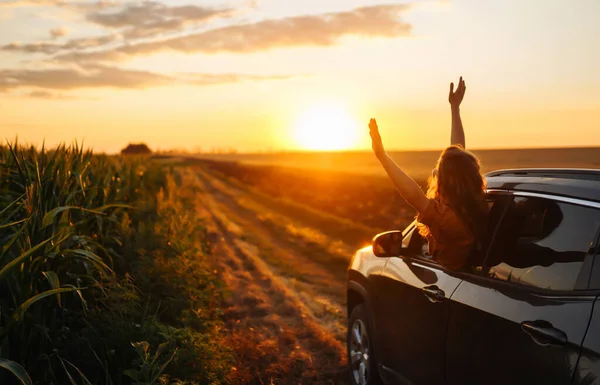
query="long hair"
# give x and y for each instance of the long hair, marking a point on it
(458, 179)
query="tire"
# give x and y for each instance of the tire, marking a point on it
(359, 344)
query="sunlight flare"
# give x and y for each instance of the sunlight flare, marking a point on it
(326, 127)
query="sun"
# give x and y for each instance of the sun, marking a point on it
(326, 127)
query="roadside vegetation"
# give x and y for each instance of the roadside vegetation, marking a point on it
(104, 273)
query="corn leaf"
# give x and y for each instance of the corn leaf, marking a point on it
(13, 223)
(96, 260)
(50, 215)
(25, 305)
(113, 205)
(12, 240)
(15, 262)
(17, 370)
(10, 205)
(54, 283)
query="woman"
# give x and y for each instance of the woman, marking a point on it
(452, 215)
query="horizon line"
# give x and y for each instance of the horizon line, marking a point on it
(300, 151)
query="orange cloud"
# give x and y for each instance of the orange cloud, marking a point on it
(131, 22)
(65, 79)
(152, 18)
(55, 33)
(312, 30)
(40, 94)
(50, 48)
(97, 76)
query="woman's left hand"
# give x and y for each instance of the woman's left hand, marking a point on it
(376, 142)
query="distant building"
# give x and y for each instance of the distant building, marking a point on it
(136, 149)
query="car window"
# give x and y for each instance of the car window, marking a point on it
(496, 206)
(407, 235)
(542, 243)
(415, 243)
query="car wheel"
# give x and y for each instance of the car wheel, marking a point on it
(361, 363)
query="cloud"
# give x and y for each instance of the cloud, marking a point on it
(50, 48)
(46, 95)
(312, 30)
(92, 77)
(58, 3)
(55, 33)
(27, 3)
(152, 18)
(94, 56)
(38, 47)
(132, 21)
(90, 42)
(211, 79)
(97, 76)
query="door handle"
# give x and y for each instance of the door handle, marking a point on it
(434, 293)
(544, 334)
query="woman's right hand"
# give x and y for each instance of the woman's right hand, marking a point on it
(376, 142)
(456, 97)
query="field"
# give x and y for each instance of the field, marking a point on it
(179, 270)
(417, 163)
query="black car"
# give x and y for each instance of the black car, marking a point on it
(526, 309)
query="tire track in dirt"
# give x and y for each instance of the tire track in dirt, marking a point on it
(317, 277)
(273, 329)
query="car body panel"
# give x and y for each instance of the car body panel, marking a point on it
(414, 322)
(366, 263)
(485, 335)
(588, 367)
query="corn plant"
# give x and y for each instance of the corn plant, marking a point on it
(149, 367)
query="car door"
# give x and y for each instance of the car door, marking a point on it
(524, 321)
(588, 366)
(411, 312)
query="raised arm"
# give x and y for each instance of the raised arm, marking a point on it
(455, 98)
(408, 188)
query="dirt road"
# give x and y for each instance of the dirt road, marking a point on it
(284, 268)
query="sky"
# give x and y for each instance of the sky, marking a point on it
(273, 75)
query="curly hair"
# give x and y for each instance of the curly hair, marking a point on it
(458, 179)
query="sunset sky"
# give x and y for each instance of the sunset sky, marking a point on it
(287, 75)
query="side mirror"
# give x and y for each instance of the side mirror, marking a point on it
(388, 244)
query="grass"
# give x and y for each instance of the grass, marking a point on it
(104, 273)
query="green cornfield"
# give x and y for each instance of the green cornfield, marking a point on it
(65, 216)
